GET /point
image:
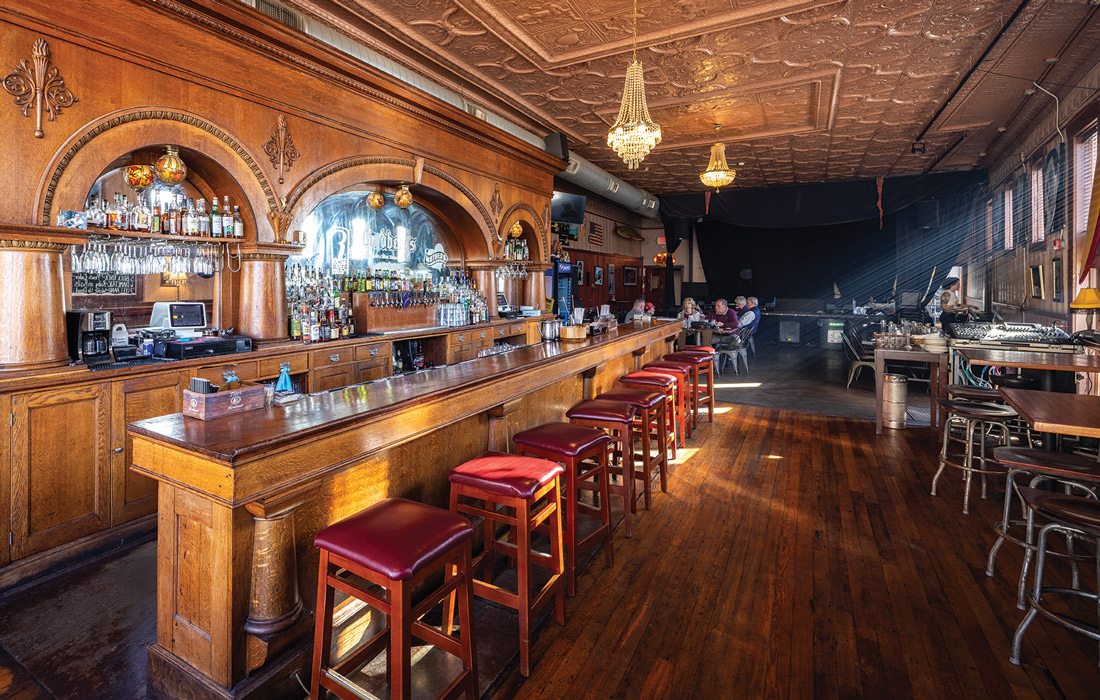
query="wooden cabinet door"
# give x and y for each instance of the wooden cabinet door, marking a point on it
(332, 377)
(134, 495)
(61, 466)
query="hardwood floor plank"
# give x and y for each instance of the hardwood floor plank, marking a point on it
(798, 556)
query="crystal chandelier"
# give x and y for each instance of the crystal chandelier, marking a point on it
(634, 134)
(718, 173)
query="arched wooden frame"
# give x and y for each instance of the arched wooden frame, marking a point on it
(469, 221)
(533, 229)
(71, 173)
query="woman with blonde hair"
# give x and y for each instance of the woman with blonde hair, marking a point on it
(689, 312)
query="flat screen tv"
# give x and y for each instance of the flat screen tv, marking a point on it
(567, 208)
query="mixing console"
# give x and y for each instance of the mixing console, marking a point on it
(1008, 333)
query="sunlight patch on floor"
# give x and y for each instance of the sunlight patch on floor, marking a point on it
(738, 385)
(683, 454)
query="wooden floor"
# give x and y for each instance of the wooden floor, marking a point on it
(800, 556)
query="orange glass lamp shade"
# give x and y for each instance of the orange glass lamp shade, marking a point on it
(661, 258)
(140, 177)
(403, 198)
(376, 200)
(170, 168)
(1087, 300)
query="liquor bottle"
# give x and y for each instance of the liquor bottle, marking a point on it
(173, 219)
(295, 325)
(227, 218)
(215, 219)
(314, 328)
(238, 223)
(190, 227)
(155, 221)
(333, 325)
(114, 213)
(202, 217)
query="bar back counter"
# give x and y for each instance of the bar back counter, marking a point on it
(240, 497)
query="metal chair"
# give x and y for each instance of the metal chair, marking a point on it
(858, 356)
(733, 346)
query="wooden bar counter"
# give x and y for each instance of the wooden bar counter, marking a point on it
(240, 497)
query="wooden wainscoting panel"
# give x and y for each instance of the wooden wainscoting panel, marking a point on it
(60, 466)
(192, 607)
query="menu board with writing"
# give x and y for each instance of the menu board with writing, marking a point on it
(109, 283)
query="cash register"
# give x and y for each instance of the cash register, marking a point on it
(177, 330)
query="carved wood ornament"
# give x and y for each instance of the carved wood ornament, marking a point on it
(496, 203)
(280, 148)
(41, 84)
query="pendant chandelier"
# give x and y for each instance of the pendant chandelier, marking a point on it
(718, 173)
(634, 134)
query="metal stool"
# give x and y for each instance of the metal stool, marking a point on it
(1073, 472)
(674, 400)
(649, 421)
(682, 372)
(975, 422)
(529, 487)
(617, 420)
(584, 454)
(397, 545)
(1070, 515)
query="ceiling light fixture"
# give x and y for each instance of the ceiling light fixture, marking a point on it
(634, 133)
(918, 148)
(718, 173)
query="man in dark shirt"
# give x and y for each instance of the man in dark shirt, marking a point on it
(723, 315)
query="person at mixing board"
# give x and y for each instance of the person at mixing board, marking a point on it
(952, 308)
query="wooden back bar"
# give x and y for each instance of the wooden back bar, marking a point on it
(235, 493)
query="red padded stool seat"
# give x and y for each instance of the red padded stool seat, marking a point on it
(674, 405)
(583, 451)
(651, 418)
(703, 363)
(397, 545)
(697, 348)
(522, 493)
(683, 372)
(616, 418)
(508, 475)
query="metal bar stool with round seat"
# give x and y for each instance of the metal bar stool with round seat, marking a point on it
(649, 422)
(704, 372)
(583, 452)
(1071, 515)
(489, 487)
(615, 418)
(644, 379)
(971, 423)
(1017, 427)
(682, 372)
(1073, 472)
(396, 545)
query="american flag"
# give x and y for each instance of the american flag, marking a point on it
(595, 233)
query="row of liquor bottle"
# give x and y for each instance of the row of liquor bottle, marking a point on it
(516, 249)
(179, 216)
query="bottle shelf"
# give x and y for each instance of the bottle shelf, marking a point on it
(79, 236)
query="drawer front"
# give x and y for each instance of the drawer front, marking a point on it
(332, 357)
(460, 338)
(299, 362)
(517, 329)
(245, 370)
(483, 335)
(332, 377)
(380, 361)
(373, 351)
(369, 371)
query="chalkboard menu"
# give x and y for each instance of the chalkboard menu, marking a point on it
(110, 283)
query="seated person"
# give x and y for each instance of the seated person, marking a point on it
(689, 313)
(723, 316)
(637, 310)
(952, 309)
(749, 315)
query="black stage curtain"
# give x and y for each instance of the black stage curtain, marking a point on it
(798, 241)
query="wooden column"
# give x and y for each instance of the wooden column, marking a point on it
(32, 305)
(263, 312)
(499, 439)
(485, 273)
(536, 285)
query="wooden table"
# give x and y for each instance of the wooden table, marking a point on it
(703, 336)
(1055, 412)
(937, 365)
(1046, 362)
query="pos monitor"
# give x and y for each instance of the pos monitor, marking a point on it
(186, 318)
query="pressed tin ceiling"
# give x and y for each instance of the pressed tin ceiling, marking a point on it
(804, 90)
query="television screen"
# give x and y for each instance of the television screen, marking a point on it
(567, 208)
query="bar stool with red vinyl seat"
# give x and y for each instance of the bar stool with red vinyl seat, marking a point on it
(704, 371)
(530, 488)
(615, 418)
(650, 421)
(1073, 516)
(396, 545)
(584, 454)
(682, 372)
(674, 407)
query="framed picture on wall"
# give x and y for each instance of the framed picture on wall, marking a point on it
(579, 267)
(1036, 281)
(611, 281)
(597, 278)
(630, 276)
(1056, 279)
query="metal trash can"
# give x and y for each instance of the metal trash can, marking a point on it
(832, 333)
(895, 394)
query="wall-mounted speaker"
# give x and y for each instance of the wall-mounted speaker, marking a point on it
(557, 145)
(927, 213)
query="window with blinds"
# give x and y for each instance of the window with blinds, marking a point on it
(1037, 233)
(1084, 158)
(1008, 217)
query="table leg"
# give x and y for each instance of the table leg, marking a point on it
(880, 371)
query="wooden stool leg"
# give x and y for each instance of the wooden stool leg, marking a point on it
(570, 477)
(710, 393)
(466, 624)
(322, 627)
(646, 460)
(662, 446)
(557, 557)
(605, 508)
(523, 590)
(627, 445)
(400, 651)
